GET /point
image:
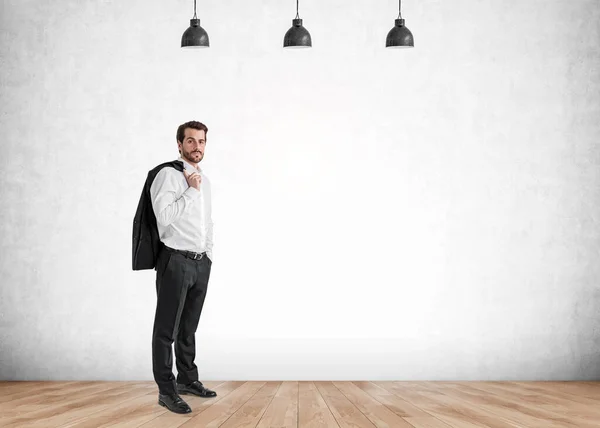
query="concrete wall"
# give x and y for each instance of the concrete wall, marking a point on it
(413, 214)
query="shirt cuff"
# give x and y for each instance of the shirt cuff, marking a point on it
(192, 192)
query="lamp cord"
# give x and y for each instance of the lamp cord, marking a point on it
(399, 7)
(297, 16)
(195, 17)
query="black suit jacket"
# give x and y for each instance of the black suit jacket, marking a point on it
(146, 242)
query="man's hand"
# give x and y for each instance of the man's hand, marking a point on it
(194, 179)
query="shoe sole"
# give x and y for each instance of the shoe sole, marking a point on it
(174, 411)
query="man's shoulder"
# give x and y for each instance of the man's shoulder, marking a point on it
(166, 169)
(165, 172)
(175, 164)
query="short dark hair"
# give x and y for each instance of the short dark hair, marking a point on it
(192, 124)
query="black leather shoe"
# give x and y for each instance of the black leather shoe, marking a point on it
(195, 388)
(174, 403)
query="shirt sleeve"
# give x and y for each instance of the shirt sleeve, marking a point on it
(163, 192)
(209, 221)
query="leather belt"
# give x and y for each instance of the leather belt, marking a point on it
(189, 254)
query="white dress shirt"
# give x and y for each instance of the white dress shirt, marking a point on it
(183, 213)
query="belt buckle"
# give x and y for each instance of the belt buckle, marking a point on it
(197, 256)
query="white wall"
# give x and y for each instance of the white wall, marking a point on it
(420, 214)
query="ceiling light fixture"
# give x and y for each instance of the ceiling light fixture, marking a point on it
(399, 36)
(194, 37)
(297, 36)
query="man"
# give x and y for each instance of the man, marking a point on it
(182, 205)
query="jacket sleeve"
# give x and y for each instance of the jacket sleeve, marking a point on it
(163, 192)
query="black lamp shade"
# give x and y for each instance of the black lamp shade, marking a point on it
(399, 36)
(194, 36)
(297, 36)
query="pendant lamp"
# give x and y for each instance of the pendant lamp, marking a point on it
(297, 36)
(399, 36)
(194, 37)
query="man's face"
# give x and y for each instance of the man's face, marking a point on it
(193, 145)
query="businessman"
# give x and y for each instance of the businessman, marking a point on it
(181, 201)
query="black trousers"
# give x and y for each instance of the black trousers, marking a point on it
(181, 285)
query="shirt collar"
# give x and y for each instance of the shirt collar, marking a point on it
(188, 166)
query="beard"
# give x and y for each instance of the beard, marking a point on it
(193, 157)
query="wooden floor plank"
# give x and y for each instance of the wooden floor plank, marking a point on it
(451, 410)
(313, 411)
(47, 392)
(556, 403)
(406, 392)
(219, 412)
(131, 412)
(69, 406)
(198, 405)
(586, 396)
(377, 413)
(471, 405)
(291, 404)
(512, 407)
(438, 406)
(346, 413)
(283, 410)
(122, 397)
(251, 412)
(396, 404)
(8, 389)
(426, 422)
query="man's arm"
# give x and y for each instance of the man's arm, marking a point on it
(209, 222)
(163, 192)
(209, 239)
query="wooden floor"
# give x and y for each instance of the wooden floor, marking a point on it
(306, 404)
